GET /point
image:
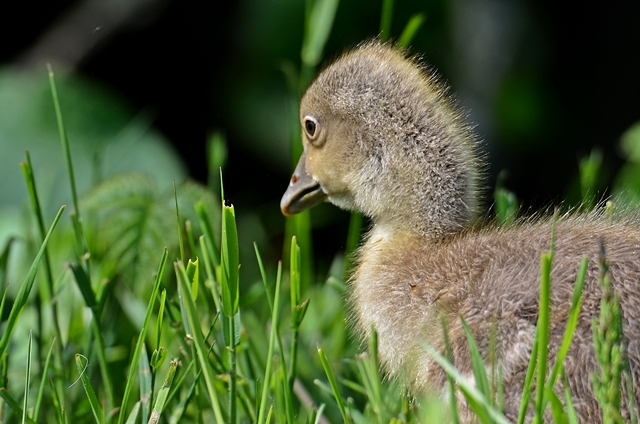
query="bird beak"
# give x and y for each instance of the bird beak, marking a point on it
(303, 192)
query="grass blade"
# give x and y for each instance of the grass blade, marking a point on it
(25, 401)
(158, 406)
(230, 284)
(543, 331)
(386, 17)
(275, 315)
(207, 231)
(572, 323)
(27, 172)
(4, 259)
(353, 239)
(64, 140)
(479, 371)
(411, 29)
(191, 312)
(528, 379)
(334, 385)
(57, 405)
(452, 387)
(146, 386)
(505, 206)
(45, 372)
(133, 365)
(13, 405)
(180, 242)
(229, 259)
(317, 28)
(93, 399)
(298, 311)
(25, 289)
(133, 416)
(472, 395)
(590, 169)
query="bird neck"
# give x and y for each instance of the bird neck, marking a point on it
(433, 214)
(390, 233)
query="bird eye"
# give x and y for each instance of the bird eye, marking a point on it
(311, 127)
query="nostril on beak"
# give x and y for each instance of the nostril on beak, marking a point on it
(294, 179)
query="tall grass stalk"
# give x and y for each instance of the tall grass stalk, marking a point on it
(230, 284)
(298, 311)
(191, 312)
(27, 172)
(81, 364)
(275, 315)
(27, 379)
(138, 350)
(334, 386)
(25, 289)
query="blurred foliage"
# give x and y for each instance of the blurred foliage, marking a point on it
(627, 182)
(107, 138)
(133, 217)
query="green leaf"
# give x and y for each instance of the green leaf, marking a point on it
(317, 28)
(134, 218)
(230, 279)
(81, 365)
(158, 356)
(27, 380)
(84, 284)
(334, 385)
(353, 240)
(273, 336)
(630, 143)
(106, 136)
(477, 401)
(217, 156)
(386, 17)
(13, 404)
(158, 406)
(141, 337)
(572, 323)
(25, 289)
(542, 330)
(193, 273)
(557, 409)
(505, 207)
(133, 416)
(191, 313)
(45, 372)
(294, 277)
(4, 257)
(479, 371)
(412, 28)
(590, 169)
(146, 386)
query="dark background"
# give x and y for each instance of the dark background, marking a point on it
(543, 83)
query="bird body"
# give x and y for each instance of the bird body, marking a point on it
(381, 137)
(404, 287)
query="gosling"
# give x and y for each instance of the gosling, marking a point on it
(382, 138)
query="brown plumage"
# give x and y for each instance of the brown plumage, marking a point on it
(381, 138)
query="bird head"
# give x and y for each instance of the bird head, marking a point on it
(380, 137)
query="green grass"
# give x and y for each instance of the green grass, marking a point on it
(101, 330)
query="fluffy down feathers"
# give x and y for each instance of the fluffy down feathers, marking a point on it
(380, 137)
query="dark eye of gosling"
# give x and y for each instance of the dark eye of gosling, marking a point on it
(311, 127)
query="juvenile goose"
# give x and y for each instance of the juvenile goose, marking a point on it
(381, 138)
